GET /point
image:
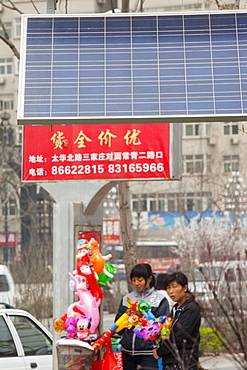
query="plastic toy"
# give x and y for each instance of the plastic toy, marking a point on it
(138, 314)
(159, 327)
(166, 328)
(83, 325)
(87, 272)
(149, 332)
(103, 278)
(87, 304)
(70, 326)
(134, 309)
(97, 260)
(59, 324)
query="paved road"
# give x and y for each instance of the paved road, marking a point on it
(219, 362)
(108, 320)
(210, 363)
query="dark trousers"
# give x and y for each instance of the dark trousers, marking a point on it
(139, 362)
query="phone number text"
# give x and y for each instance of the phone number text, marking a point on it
(110, 168)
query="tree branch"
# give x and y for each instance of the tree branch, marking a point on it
(12, 7)
(11, 45)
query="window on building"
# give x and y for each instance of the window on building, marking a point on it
(139, 204)
(161, 205)
(230, 163)
(8, 207)
(135, 205)
(190, 204)
(208, 163)
(17, 27)
(12, 206)
(6, 102)
(181, 204)
(171, 202)
(6, 66)
(143, 205)
(8, 28)
(197, 204)
(153, 205)
(231, 130)
(171, 205)
(193, 130)
(193, 163)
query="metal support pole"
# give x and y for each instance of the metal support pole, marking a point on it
(77, 203)
(51, 6)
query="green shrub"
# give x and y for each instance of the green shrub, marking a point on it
(211, 341)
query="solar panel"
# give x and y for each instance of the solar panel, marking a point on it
(132, 66)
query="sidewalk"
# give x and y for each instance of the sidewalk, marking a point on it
(223, 362)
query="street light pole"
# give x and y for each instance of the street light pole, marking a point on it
(51, 6)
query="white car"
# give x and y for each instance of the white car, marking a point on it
(7, 286)
(24, 342)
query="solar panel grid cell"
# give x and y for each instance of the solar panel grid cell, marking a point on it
(136, 65)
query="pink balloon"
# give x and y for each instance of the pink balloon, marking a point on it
(87, 304)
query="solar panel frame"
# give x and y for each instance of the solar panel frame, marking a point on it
(178, 67)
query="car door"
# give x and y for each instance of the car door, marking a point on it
(37, 345)
(10, 354)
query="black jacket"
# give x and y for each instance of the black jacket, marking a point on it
(185, 335)
(130, 342)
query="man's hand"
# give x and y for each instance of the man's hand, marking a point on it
(155, 354)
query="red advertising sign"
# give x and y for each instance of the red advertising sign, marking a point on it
(96, 151)
(12, 238)
(111, 232)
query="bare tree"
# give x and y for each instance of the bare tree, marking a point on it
(224, 5)
(127, 231)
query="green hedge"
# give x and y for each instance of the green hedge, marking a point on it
(211, 341)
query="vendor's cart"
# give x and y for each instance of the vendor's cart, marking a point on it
(74, 354)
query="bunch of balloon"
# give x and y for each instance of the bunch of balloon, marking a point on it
(90, 275)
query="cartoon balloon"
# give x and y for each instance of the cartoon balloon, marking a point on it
(98, 260)
(87, 304)
(149, 332)
(103, 278)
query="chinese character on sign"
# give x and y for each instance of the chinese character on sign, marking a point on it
(2, 238)
(106, 137)
(131, 138)
(111, 231)
(57, 139)
(81, 140)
